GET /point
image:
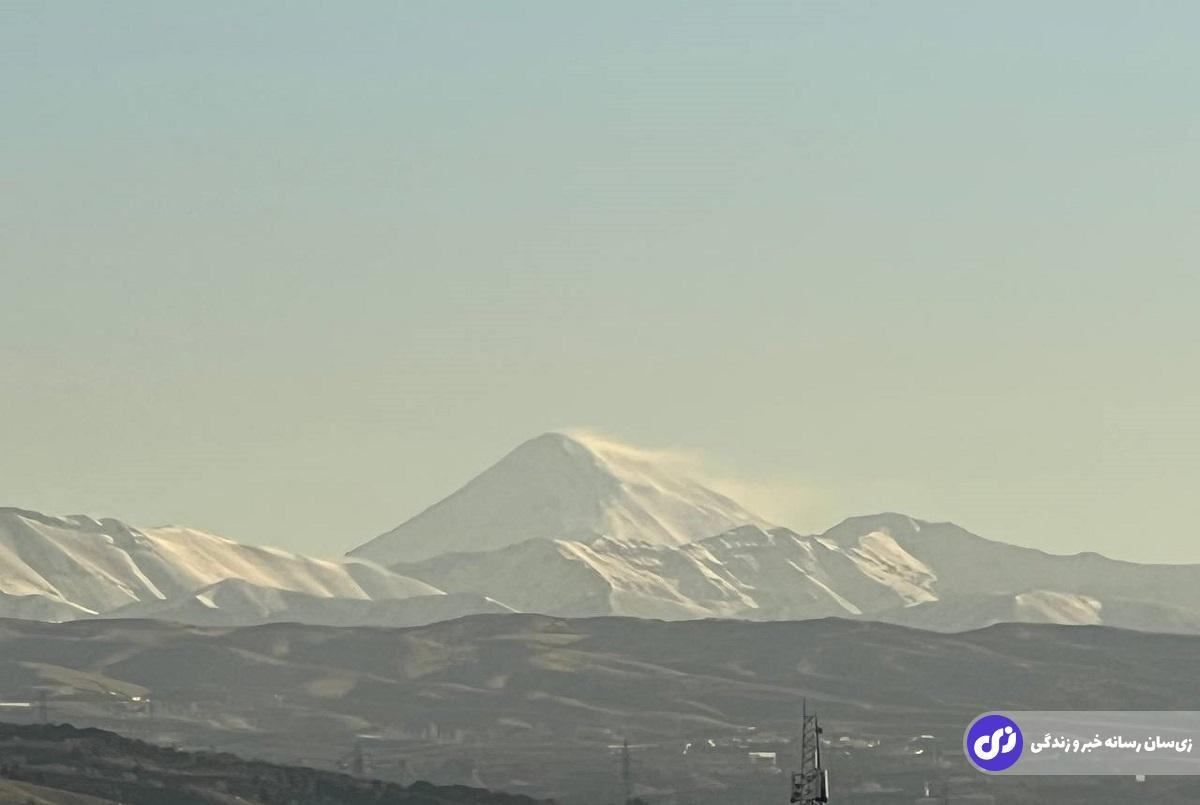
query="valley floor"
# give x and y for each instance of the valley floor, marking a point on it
(542, 706)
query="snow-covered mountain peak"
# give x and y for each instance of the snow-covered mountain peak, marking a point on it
(899, 526)
(573, 486)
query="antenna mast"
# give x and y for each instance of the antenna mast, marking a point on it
(810, 785)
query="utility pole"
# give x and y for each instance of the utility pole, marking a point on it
(810, 785)
(626, 772)
(357, 764)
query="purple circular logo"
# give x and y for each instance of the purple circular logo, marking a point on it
(993, 742)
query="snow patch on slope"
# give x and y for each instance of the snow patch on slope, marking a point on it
(1048, 606)
(881, 557)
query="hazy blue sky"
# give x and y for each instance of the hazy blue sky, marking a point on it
(290, 272)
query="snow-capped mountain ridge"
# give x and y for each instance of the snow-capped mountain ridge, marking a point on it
(887, 567)
(235, 602)
(574, 525)
(64, 568)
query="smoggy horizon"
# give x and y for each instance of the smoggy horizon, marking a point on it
(290, 273)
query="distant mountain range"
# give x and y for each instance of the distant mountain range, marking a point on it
(542, 705)
(576, 526)
(887, 567)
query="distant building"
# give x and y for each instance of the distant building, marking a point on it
(762, 760)
(957, 799)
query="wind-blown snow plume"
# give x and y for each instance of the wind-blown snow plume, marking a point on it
(567, 486)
